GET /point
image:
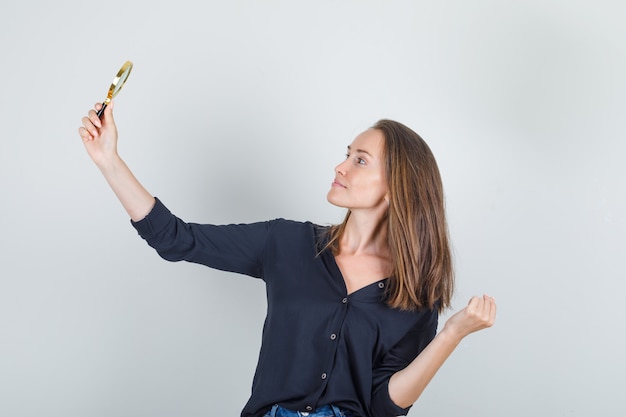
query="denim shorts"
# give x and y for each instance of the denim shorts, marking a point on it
(325, 411)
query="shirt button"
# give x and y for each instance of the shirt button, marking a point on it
(324, 375)
(309, 408)
(345, 300)
(381, 285)
(333, 336)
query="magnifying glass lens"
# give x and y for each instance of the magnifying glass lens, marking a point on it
(116, 85)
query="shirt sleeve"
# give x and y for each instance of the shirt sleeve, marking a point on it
(236, 247)
(397, 359)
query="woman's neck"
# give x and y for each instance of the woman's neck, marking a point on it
(364, 234)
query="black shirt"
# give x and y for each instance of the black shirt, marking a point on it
(319, 345)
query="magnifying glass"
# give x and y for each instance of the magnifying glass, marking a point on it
(116, 85)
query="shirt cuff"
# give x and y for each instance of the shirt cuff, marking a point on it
(154, 221)
(383, 405)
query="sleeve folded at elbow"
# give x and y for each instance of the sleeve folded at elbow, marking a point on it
(154, 222)
(175, 240)
(383, 405)
(405, 351)
(161, 231)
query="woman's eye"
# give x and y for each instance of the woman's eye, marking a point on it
(357, 160)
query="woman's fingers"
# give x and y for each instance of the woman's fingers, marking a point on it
(92, 123)
(485, 311)
(476, 304)
(84, 134)
(479, 314)
(89, 125)
(108, 113)
(492, 310)
(95, 120)
(482, 312)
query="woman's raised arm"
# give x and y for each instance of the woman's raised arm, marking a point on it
(100, 140)
(406, 386)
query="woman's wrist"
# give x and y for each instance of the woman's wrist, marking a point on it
(451, 334)
(109, 163)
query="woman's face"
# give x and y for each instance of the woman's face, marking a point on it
(360, 180)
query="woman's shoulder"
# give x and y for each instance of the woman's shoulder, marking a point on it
(298, 230)
(284, 225)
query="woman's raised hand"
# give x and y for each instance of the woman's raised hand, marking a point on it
(406, 386)
(99, 135)
(100, 139)
(479, 314)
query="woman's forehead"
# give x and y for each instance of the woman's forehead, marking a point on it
(370, 141)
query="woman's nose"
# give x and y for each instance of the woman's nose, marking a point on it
(341, 168)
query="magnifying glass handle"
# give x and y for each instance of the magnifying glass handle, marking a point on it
(101, 111)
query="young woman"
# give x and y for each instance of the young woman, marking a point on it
(352, 309)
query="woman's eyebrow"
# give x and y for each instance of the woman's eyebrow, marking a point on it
(360, 150)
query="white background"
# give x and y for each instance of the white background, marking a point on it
(238, 111)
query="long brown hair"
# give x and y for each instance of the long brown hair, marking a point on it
(422, 273)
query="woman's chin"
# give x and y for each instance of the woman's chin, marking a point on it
(333, 201)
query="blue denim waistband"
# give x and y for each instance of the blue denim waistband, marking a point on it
(325, 411)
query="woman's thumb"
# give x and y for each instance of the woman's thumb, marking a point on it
(108, 112)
